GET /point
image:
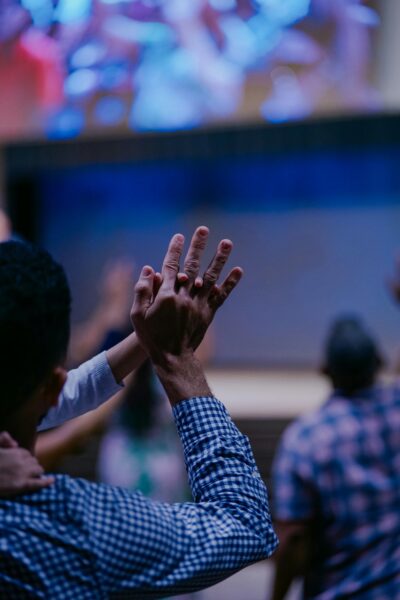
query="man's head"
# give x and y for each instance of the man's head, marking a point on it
(34, 328)
(352, 357)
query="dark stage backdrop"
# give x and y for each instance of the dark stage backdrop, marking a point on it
(316, 231)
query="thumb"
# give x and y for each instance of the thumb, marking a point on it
(143, 292)
(6, 441)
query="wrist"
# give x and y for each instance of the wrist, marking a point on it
(125, 357)
(182, 376)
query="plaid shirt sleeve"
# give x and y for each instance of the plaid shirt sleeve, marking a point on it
(146, 549)
(292, 477)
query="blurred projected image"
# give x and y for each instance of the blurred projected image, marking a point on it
(73, 66)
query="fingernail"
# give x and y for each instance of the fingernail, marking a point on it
(203, 231)
(147, 271)
(226, 244)
(179, 237)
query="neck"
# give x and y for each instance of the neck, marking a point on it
(22, 424)
(22, 429)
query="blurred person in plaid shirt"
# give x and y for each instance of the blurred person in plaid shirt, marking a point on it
(336, 480)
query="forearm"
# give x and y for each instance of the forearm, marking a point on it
(182, 377)
(86, 388)
(95, 381)
(180, 548)
(222, 471)
(220, 463)
(283, 579)
(51, 446)
(214, 448)
(293, 557)
(125, 357)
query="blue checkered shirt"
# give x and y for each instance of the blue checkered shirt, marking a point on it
(87, 541)
(339, 469)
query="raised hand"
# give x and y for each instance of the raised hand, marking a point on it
(20, 472)
(175, 320)
(207, 295)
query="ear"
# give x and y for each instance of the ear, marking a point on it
(54, 384)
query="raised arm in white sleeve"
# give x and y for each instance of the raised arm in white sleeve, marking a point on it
(86, 388)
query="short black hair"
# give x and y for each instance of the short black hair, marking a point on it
(35, 306)
(352, 355)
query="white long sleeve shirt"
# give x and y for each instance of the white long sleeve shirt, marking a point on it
(86, 388)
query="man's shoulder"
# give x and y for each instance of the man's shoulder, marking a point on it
(339, 418)
(71, 489)
(65, 487)
(66, 499)
(317, 426)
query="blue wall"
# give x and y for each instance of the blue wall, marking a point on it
(315, 233)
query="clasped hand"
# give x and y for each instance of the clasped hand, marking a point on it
(172, 311)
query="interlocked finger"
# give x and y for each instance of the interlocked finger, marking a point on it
(170, 266)
(157, 284)
(192, 261)
(215, 267)
(220, 293)
(144, 290)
